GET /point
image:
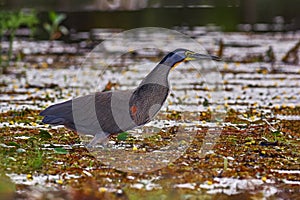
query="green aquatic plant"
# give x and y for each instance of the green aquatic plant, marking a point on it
(35, 162)
(54, 27)
(10, 21)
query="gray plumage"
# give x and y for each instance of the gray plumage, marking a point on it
(112, 112)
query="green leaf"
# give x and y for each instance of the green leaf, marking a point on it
(60, 150)
(64, 30)
(47, 27)
(44, 134)
(13, 144)
(36, 160)
(59, 18)
(225, 164)
(122, 136)
(205, 103)
(52, 16)
(276, 133)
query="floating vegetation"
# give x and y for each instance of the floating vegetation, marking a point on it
(256, 155)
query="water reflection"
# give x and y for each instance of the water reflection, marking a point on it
(247, 15)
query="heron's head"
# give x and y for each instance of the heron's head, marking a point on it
(180, 55)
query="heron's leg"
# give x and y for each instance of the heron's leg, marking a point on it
(98, 138)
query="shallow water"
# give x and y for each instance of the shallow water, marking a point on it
(270, 91)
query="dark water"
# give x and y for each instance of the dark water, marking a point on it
(231, 15)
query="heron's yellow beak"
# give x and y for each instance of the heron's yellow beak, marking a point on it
(190, 56)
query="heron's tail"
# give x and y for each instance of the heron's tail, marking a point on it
(58, 114)
(53, 120)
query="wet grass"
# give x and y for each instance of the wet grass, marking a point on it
(253, 152)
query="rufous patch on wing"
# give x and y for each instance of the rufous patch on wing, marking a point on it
(133, 110)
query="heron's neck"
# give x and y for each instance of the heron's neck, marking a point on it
(159, 75)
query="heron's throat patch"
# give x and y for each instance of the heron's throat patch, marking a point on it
(176, 64)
